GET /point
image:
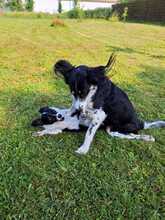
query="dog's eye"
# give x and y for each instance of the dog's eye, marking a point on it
(73, 93)
(59, 116)
(79, 92)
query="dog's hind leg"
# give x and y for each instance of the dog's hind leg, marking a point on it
(154, 124)
(130, 136)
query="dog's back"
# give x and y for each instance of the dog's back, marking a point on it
(121, 115)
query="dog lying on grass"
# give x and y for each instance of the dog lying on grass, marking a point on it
(54, 121)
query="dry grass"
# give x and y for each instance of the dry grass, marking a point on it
(57, 23)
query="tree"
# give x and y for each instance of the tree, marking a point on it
(75, 3)
(29, 4)
(14, 5)
(2, 3)
(59, 6)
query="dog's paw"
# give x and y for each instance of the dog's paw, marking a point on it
(38, 134)
(82, 150)
(58, 131)
(148, 138)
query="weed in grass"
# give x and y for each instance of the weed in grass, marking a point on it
(114, 17)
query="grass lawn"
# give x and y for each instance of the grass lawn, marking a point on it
(42, 178)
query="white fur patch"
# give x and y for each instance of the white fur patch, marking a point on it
(154, 124)
(95, 123)
(131, 136)
(86, 103)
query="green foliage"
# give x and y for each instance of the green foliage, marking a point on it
(14, 5)
(2, 3)
(76, 13)
(126, 1)
(76, 2)
(29, 4)
(98, 13)
(125, 14)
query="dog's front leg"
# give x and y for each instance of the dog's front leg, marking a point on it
(98, 118)
(47, 132)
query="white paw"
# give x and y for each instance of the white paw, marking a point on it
(82, 150)
(58, 131)
(38, 134)
(149, 138)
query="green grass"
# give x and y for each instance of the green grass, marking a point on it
(42, 178)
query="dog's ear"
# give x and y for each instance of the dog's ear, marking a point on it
(44, 109)
(63, 68)
(37, 122)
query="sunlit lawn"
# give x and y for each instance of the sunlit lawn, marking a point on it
(42, 178)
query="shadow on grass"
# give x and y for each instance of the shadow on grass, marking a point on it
(130, 51)
(21, 107)
(25, 104)
(154, 76)
(156, 23)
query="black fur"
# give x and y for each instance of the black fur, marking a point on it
(121, 115)
(48, 116)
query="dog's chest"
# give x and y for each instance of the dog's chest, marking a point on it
(89, 110)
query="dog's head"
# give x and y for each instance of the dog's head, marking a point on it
(82, 79)
(48, 116)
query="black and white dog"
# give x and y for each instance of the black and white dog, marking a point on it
(55, 120)
(101, 102)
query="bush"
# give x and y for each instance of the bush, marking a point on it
(15, 5)
(75, 13)
(2, 4)
(29, 5)
(79, 13)
(104, 13)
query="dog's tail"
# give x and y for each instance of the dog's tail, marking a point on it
(154, 124)
(110, 63)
